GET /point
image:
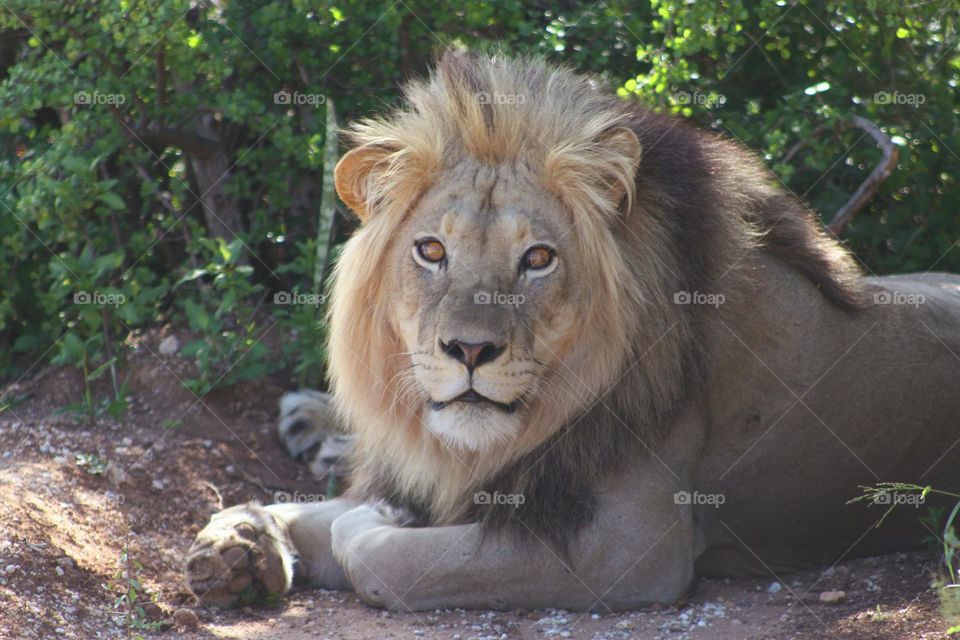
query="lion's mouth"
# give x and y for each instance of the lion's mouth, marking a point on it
(472, 397)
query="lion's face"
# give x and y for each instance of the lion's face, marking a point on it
(487, 285)
(488, 297)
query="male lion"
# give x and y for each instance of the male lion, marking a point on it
(589, 352)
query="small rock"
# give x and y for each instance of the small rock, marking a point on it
(153, 611)
(625, 625)
(116, 475)
(833, 597)
(185, 619)
(169, 346)
(774, 587)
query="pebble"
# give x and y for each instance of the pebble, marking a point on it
(152, 611)
(169, 346)
(116, 475)
(774, 587)
(833, 597)
(185, 619)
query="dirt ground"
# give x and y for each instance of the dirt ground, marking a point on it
(144, 487)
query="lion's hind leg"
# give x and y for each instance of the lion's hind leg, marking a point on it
(310, 432)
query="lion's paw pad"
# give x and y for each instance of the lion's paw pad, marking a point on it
(242, 556)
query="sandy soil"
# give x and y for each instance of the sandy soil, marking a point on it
(144, 487)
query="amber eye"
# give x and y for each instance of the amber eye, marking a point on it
(431, 250)
(538, 258)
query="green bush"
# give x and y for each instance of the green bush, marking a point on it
(166, 161)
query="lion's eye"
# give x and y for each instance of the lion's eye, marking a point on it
(431, 250)
(538, 258)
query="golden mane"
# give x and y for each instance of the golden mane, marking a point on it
(500, 111)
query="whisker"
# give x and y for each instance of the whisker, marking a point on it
(407, 353)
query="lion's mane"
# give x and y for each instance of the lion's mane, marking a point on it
(691, 215)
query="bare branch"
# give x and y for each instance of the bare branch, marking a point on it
(193, 143)
(865, 191)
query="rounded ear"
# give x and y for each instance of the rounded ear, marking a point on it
(623, 143)
(355, 172)
(599, 175)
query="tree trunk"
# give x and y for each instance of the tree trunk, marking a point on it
(212, 170)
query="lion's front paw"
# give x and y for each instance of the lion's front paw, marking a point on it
(244, 555)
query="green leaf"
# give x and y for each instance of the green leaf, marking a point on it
(99, 371)
(112, 200)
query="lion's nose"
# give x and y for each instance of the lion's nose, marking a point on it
(471, 355)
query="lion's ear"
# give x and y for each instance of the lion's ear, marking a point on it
(354, 174)
(623, 144)
(598, 174)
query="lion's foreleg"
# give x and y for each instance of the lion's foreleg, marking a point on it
(618, 563)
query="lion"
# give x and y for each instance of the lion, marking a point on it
(585, 353)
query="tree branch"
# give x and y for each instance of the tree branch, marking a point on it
(193, 143)
(865, 191)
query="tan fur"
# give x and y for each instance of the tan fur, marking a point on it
(620, 395)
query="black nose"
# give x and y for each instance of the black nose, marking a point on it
(471, 355)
